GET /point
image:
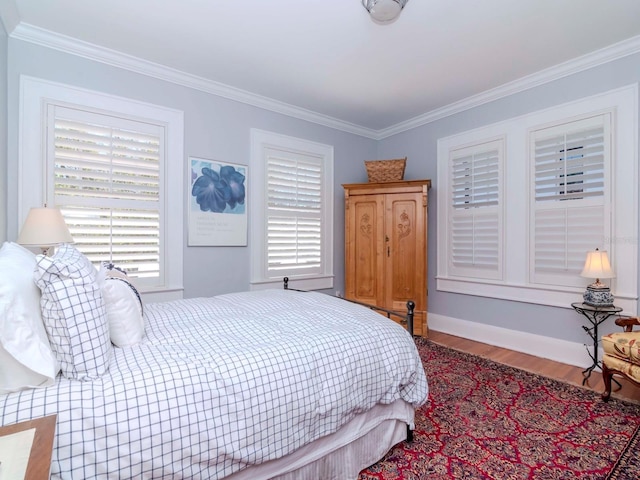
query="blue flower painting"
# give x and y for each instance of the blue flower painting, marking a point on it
(221, 191)
(217, 203)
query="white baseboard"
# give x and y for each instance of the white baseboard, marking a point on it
(563, 351)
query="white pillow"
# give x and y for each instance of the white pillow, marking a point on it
(124, 307)
(73, 313)
(26, 359)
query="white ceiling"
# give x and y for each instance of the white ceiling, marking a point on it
(328, 57)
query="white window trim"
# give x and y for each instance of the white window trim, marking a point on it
(35, 94)
(623, 242)
(260, 140)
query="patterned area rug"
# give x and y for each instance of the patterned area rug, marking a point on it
(485, 420)
(628, 465)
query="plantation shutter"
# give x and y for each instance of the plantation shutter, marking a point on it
(570, 187)
(475, 246)
(107, 182)
(294, 213)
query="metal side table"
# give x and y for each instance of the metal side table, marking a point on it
(595, 315)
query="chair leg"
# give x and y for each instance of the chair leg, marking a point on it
(606, 378)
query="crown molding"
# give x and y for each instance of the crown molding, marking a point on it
(579, 64)
(63, 43)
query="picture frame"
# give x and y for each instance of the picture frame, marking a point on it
(217, 203)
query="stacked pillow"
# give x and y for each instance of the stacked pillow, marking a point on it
(59, 313)
(26, 358)
(124, 306)
(74, 313)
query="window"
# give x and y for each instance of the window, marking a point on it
(108, 166)
(475, 245)
(570, 171)
(294, 208)
(566, 183)
(106, 181)
(291, 221)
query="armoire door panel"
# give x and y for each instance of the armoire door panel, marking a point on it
(365, 245)
(366, 217)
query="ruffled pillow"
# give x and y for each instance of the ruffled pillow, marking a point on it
(74, 313)
(124, 306)
(26, 358)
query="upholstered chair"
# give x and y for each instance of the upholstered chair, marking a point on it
(621, 354)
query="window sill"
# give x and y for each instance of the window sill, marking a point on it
(552, 296)
(162, 295)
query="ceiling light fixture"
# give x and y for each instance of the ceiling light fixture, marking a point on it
(384, 11)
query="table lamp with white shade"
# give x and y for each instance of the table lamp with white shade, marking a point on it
(597, 266)
(44, 228)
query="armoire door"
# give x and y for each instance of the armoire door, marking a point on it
(364, 245)
(405, 254)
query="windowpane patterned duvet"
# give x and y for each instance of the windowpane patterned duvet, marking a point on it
(219, 384)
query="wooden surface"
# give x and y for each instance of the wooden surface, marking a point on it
(401, 186)
(549, 368)
(40, 457)
(386, 246)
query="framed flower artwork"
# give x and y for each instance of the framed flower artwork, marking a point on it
(217, 203)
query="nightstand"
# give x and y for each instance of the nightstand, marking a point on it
(595, 315)
(39, 465)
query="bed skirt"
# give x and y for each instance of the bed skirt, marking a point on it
(343, 455)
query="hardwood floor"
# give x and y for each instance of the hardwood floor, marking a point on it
(541, 366)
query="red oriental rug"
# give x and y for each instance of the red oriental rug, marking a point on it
(485, 420)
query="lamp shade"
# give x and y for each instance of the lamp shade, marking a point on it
(44, 227)
(597, 265)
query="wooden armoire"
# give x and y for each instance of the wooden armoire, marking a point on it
(386, 246)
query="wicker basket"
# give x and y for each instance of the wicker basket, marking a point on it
(385, 170)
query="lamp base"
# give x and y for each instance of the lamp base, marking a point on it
(598, 296)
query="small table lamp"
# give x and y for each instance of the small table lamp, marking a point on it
(45, 228)
(597, 266)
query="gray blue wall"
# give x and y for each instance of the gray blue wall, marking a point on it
(218, 128)
(214, 128)
(420, 146)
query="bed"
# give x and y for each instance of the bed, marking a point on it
(266, 384)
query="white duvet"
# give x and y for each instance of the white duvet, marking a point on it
(219, 384)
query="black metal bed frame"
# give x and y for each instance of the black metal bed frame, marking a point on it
(404, 319)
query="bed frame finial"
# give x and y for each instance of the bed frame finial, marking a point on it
(411, 305)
